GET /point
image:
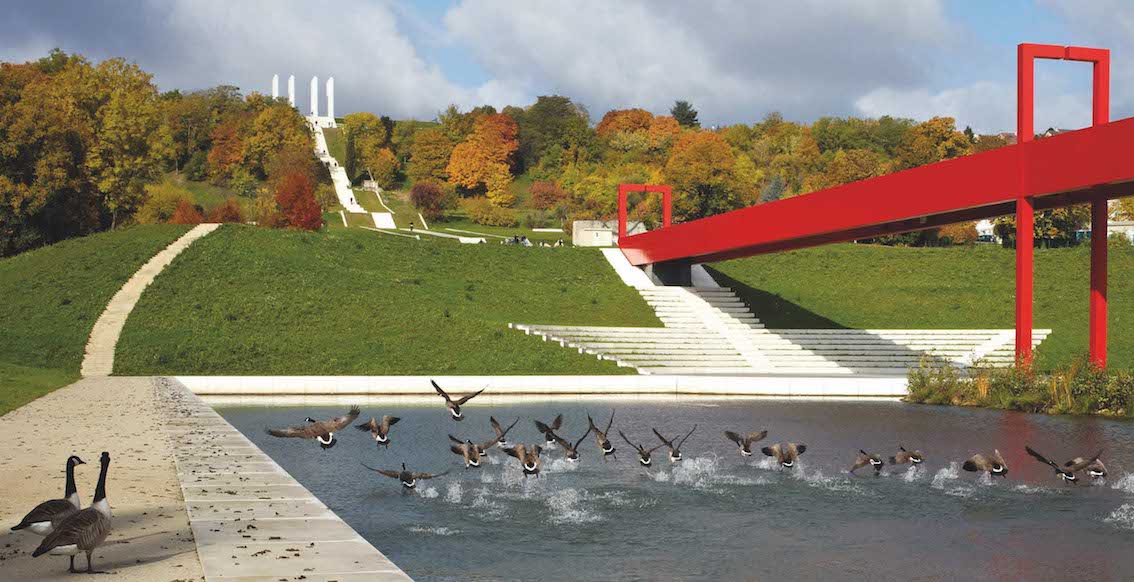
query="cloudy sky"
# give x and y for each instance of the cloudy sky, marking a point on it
(736, 60)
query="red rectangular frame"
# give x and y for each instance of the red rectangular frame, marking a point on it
(623, 213)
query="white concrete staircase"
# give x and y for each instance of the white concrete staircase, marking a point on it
(709, 330)
(338, 174)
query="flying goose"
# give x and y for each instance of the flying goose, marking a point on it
(674, 449)
(570, 451)
(381, 431)
(83, 531)
(467, 449)
(864, 458)
(48, 515)
(785, 453)
(454, 406)
(549, 431)
(322, 431)
(528, 456)
(1096, 469)
(408, 478)
(643, 452)
(601, 438)
(499, 439)
(745, 441)
(913, 457)
(1068, 474)
(993, 465)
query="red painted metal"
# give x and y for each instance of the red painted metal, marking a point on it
(625, 189)
(1088, 165)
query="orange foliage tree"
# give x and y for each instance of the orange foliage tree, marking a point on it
(228, 211)
(484, 160)
(622, 120)
(295, 195)
(186, 213)
(663, 132)
(701, 171)
(227, 151)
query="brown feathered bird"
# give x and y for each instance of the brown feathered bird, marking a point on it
(1094, 468)
(643, 453)
(380, 430)
(993, 464)
(322, 431)
(84, 531)
(548, 430)
(467, 449)
(864, 458)
(745, 441)
(785, 454)
(46, 516)
(528, 456)
(601, 436)
(407, 477)
(454, 406)
(1066, 472)
(674, 445)
(903, 456)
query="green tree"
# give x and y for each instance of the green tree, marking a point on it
(366, 135)
(684, 113)
(430, 155)
(552, 124)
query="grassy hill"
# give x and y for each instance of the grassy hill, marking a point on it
(252, 301)
(52, 297)
(886, 287)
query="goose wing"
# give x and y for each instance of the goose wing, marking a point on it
(543, 428)
(339, 422)
(1080, 464)
(563, 443)
(370, 425)
(468, 397)
(441, 392)
(639, 448)
(1041, 458)
(580, 441)
(686, 437)
(299, 431)
(796, 449)
(456, 440)
(557, 423)
(734, 437)
(47, 511)
(975, 463)
(501, 432)
(773, 451)
(390, 474)
(516, 451)
(609, 423)
(665, 441)
(387, 422)
(429, 475)
(753, 437)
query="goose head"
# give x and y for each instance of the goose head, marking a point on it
(74, 460)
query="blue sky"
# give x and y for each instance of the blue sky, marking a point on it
(736, 60)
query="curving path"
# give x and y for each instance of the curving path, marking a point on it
(99, 357)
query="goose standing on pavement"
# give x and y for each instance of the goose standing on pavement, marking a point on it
(467, 449)
(85, 530)
(46, 516)
(674, 448)
(1095, 469)
(786, 454)
(601, 436)
(570, 451)
(322, 431)
(549, 430)
(993, 464)
(864, 458)
(380, 430)
(528, 456)
(454, 406)
(745, 441)
(407, 477)
(914, 458)
(643, 453)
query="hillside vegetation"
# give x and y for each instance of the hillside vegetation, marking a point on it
(869, 286)
(52, 297)
(256, 301)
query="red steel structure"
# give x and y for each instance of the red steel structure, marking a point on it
(1090, 165)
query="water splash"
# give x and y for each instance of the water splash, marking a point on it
(1123, 517)
(453, 492)
(1125, 483)
(428, 493)
(561, 466)
(435, 531)
(570, 506)
(911, 474)
(702, 473)
(947, 480)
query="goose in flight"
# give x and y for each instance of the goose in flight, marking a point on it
(903, 456)
(745, 441)
(1066, 472)
(643, 453)
(570, 451)
(528, 456)
(993, 464)
(468, 450)
(499, 439)
(1095, 469)
(380, 430)
(601, 436)
(407, 477)
(674, 448)
(322, 431)
(785, 454)
(549, 430)
(454, 406)
(864, 458)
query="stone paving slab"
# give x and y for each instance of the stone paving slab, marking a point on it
(251, 520)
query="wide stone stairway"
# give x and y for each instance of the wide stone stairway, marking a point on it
(709, 330)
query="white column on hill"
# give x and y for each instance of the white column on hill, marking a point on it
(331, 97)
(275, 86)
(291, 90)
(315, 96)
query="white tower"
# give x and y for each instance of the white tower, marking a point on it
(315, 96)
(331, 97)
(275, 87)
(291, 90)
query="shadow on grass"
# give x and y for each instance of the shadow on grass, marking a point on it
(774, 311)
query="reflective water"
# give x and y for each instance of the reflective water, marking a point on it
(716, 516)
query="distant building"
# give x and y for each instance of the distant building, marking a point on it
(601, 233)
(1124, 227)
(986, 232)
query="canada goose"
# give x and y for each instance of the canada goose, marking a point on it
(745, 442)
(993, 465)
(322, 431)
(1096, 469)
(913, 457)
(643, 453)
(408, 478)
(467, 449)
(570, 451)
(83, 531)
(601, 438)
(785, 453)
(549, 431)
(528, 456)
(864, 458)
(48, 515)
(674, 449)
(381, 431)
(1068, 474)
(455, 406)
(498, 439)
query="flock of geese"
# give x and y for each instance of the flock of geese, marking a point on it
(785, 454)
(69, 529)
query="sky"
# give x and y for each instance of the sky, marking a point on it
(735, 60)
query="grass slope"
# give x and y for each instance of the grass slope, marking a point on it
(867, 286)
(254, 301)
(52, 297)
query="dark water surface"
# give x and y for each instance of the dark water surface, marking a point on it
(716, 517)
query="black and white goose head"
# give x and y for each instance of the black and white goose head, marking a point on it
(407, 478)
(1067, 475)
(872, 460)
(548, 430)
(71, 492)
(744, 442)
(468, 450)
(786, 454)
(674, 445)
(1092, 466)
(644, 455)
(601, 438)
(454, 406)
(993, 464)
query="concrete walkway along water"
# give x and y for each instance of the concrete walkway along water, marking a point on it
(99, 357)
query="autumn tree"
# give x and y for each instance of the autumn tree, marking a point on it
(186, 213)
(700, 169)
(430, 155)
(624, 120)
(930, 142)
(227, 211)
(853, 165)
(383, 168)
(295, 195)
(277, 128)
(483, 161)
(366, 136)
(685, 115)
(663, 132)
(429, 198)
(227, 152)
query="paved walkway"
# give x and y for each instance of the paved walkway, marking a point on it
(151, 540)
(99, 358)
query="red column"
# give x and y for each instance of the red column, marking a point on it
(667, 205)
(1025, 251)
(1099, 214)
(622, 188)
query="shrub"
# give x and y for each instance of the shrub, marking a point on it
(326, 197)
(536, 219)
(430, 199)
(295, 195)
(228, 211)
(547, 195)
(481, 211)
(161, 203)
(186, 213)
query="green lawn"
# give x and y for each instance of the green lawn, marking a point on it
(346, 301)
(867, 286)
(336, 145)
(52, 297)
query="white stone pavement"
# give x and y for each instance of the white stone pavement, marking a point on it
(338, 174)
(99, 357)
